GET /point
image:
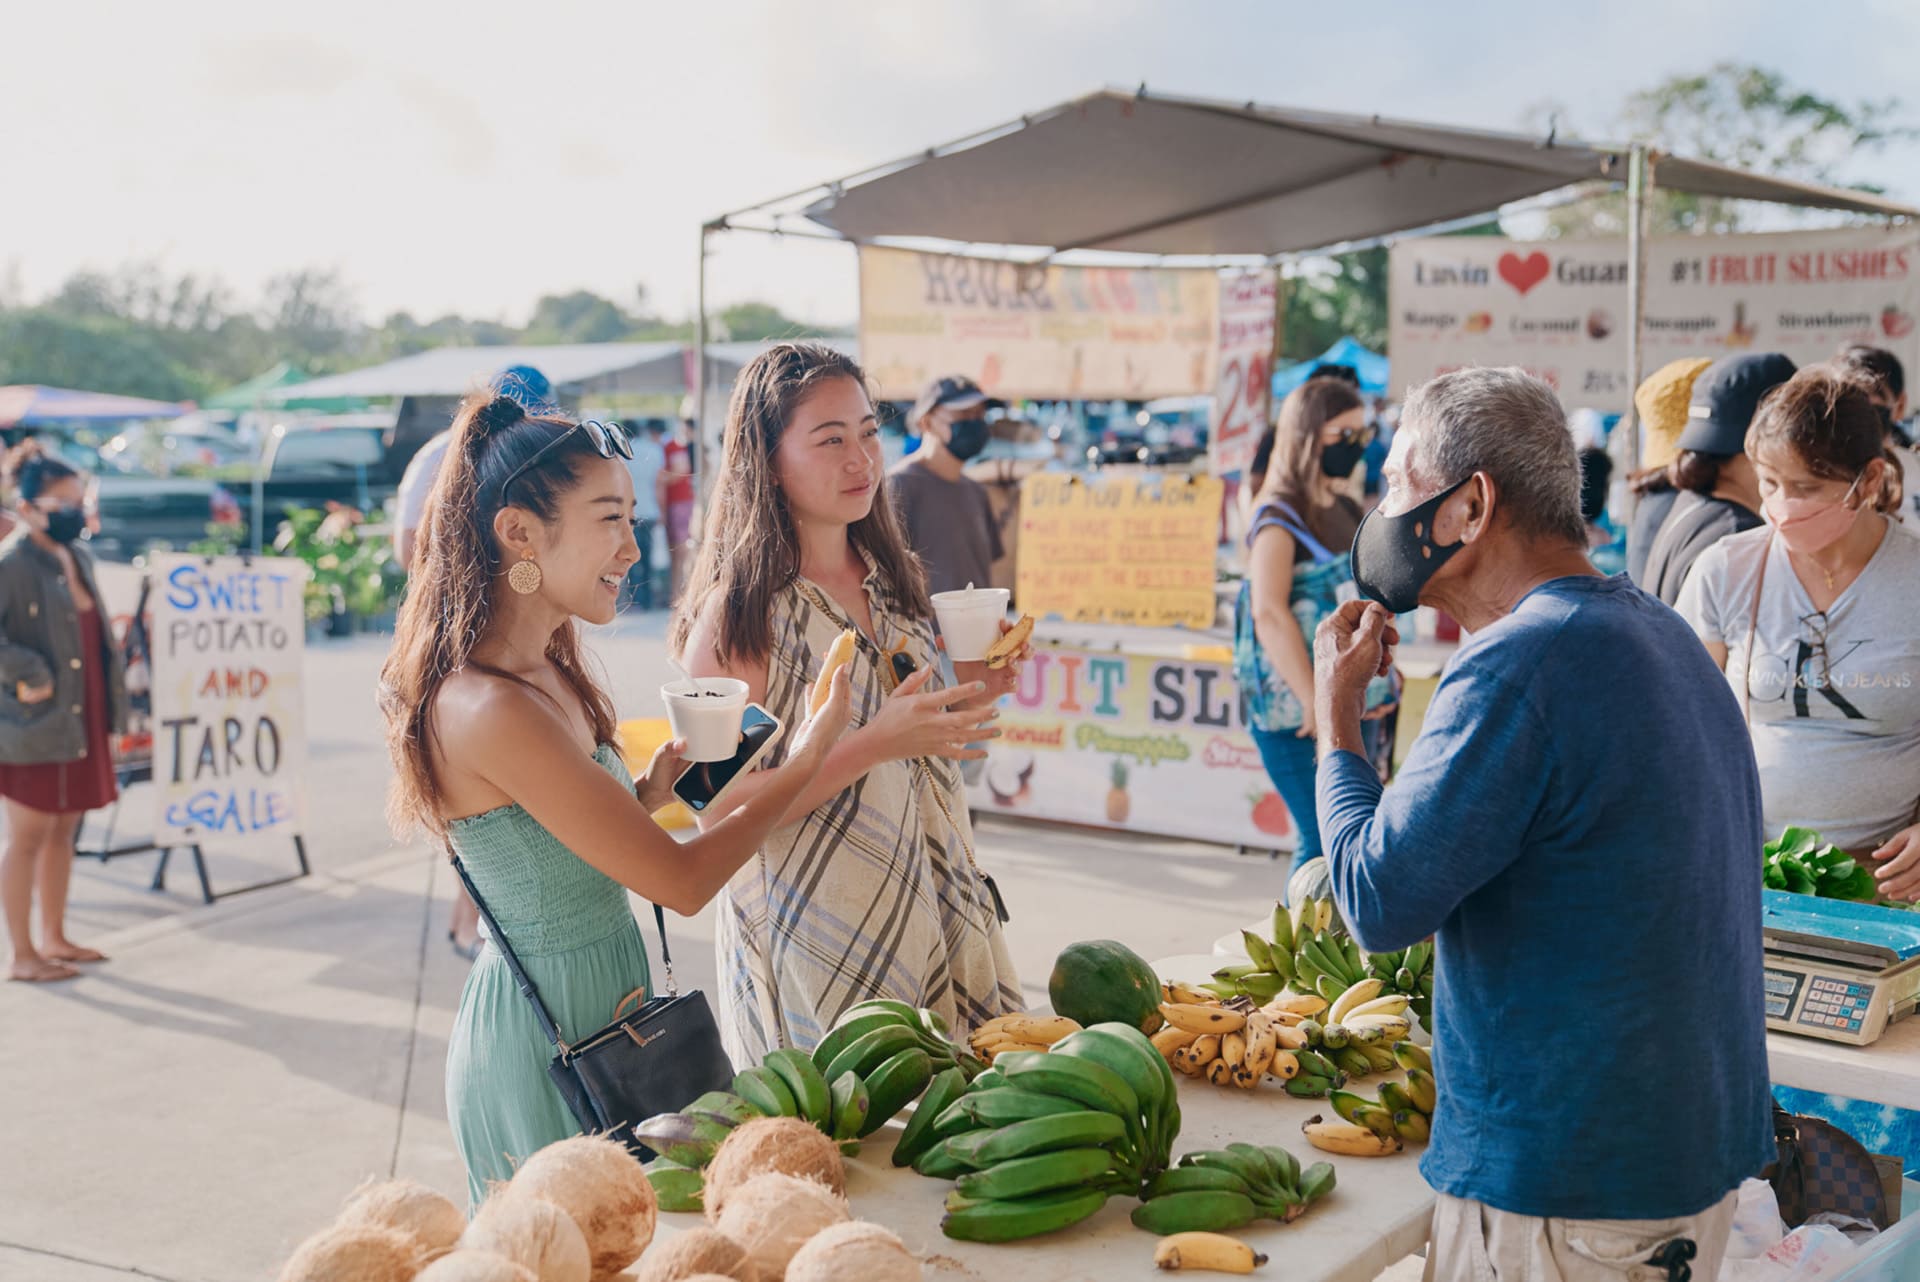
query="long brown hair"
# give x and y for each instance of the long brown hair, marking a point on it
(1293, 473)
(450, 595)
(749, 549)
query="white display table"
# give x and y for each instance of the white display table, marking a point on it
(1887, 1072)
(1378, 1212)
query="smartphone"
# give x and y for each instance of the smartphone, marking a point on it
(703, 783)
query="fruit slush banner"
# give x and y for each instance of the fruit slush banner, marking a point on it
(229, 701)
(1559, 308)
(1135, 550)
(1137, 742)
(1031, 330)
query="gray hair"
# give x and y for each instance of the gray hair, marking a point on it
(1508, 424)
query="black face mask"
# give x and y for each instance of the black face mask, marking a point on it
(1395, 556)
(966, 437)
(65, 524)
(1340, 458)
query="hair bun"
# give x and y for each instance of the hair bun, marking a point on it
(498, 414)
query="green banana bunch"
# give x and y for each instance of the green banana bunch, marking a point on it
(1402, 1112)
(921, 1134)
(1218, 1190)
(1045, 1137)
(1410, 973)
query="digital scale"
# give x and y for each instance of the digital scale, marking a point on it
(1838, 969)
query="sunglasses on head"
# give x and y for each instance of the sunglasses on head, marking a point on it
(608, 440)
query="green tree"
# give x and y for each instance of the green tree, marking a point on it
(578, 317)
(750, 322)
(96, 354)
(1334, 297)
(1740, 115)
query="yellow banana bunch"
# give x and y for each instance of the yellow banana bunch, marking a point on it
(1020, 1032)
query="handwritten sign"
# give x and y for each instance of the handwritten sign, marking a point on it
(229, 701)
(1036, 330)
(1146, 743)
(1243, 383)
(1134, 550)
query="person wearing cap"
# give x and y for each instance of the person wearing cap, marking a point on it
(1661, 405)
(1719, 491)
(948, 517)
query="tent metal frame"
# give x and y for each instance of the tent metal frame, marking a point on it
(1641, 164)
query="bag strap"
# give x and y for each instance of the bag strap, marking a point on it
(1753, 632)
(520, 976)
(1277, 512)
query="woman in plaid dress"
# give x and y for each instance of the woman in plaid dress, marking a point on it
(870, 888)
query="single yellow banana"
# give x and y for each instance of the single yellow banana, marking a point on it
(1233, 1049)
(1364, 991)
(1392, 1028)
(1262, 1046)
(1043, 1030)
(1285, 1066)
(1349, 1139)
(1305, 1005)
(1202, 1019)
(1290, 1037)
(1220, 1073)
(1387, 1004)
(1175, 991)
(1213, 1252)
(1323, 915)
(1168, 1040)
(1204, 1051)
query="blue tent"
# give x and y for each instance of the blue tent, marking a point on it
(1371, 366)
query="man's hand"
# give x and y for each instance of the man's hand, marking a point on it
(1353, 646)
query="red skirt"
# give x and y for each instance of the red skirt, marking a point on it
(89, 783)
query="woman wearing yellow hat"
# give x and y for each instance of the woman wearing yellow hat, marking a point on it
(1661, 403)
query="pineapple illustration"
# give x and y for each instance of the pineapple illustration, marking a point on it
(1119, 805)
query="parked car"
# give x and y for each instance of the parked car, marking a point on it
(346, 459)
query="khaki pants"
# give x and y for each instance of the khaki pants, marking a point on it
(1472, 1242)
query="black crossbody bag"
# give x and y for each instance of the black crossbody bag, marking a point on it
(658, 1059)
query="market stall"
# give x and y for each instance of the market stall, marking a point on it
(1136, 238)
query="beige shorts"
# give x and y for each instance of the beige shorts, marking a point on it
(1472, 1242)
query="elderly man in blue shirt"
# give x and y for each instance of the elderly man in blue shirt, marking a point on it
(1579, 824)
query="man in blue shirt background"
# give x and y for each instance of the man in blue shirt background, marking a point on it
(1579, 823)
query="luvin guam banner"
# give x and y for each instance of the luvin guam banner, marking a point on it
(1138, 742)
(1559, 308)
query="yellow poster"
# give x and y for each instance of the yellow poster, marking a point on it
(1031, 330)
(1137, 550)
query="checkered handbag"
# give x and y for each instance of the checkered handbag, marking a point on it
(1822, 1168)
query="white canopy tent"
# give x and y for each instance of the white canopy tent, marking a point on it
(1152, 174)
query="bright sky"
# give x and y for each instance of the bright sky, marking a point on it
(470, 157)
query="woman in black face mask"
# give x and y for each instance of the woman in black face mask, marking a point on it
(62, 697)
(1300, 531)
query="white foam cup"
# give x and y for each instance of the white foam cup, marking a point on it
(970, 620)
(706, 715)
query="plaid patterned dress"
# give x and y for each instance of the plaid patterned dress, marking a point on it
(870, 895)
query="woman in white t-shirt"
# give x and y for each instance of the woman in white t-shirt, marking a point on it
(1813, 619)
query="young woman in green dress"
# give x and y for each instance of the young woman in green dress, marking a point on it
(502, 740)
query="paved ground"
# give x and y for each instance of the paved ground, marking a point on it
(192, 1109)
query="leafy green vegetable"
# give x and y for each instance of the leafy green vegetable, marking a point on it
(1799, 862)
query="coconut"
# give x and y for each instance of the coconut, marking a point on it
(467, 1265)
(855, 1249)
(533, 1233)
(772, 1216)
(430, 1219)
(597, 1182)
(696, 1253)
(355, 1253)
(768, 1145)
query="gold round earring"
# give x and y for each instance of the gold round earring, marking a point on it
(524, 577)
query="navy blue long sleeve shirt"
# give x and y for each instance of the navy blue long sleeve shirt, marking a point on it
(1579, 823)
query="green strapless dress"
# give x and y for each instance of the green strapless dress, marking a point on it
(571, 927)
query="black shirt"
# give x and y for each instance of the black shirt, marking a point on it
(1696, 523)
